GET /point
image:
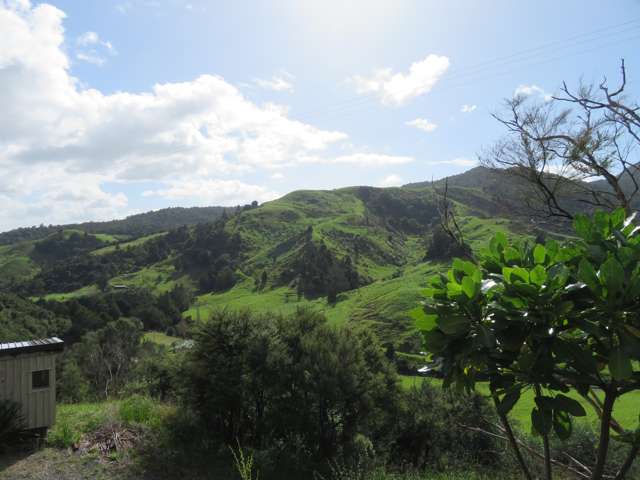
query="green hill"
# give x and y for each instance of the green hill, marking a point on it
(358, 253)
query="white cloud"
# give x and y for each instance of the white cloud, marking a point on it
(392, 180)
(422, 124)
(397, 89)
(214, 192)
(361, 159)
(278, 83)
(277, 176)
(468, 108)
(459, 162)
(60, 143)
(529, 90)
(92, 49)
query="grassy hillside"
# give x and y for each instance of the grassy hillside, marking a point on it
(362, 246)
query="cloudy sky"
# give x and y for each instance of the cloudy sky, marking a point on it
(109, 108)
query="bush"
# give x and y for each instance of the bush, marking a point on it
(290, 384)
(432, 430)
(11, 423)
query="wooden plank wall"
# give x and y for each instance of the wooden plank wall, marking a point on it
(38, 406)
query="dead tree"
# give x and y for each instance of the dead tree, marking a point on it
(564, 144)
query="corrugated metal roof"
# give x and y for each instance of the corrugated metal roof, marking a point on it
(38, 345)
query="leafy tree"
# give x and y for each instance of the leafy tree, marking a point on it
(550, 318)
(106, 355)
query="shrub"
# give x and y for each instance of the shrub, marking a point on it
(432, 430)
(11, 423)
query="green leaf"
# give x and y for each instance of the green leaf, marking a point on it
(612, 276)
(582, 226)
(497, 243)
(487, 338)
(620, 365)
(541, 420)
(539, 254)
(454, 324)
(588, 275)
(511, 255)
(434, 340)
(562, 424)
(617, 218)
(538, 275)
(569, 405)
(508, 401)
(469, 287)
(521, 273)
(426, 321)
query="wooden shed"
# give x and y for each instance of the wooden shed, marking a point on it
(28, 376)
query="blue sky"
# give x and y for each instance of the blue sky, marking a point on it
(125, 106)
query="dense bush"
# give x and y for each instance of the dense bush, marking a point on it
(434, 429)
(304, 395)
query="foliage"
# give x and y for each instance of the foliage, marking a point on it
(106, 355)
(12, 425)
(545, 317)
(434, 430)
(262, 382)
(21, 320)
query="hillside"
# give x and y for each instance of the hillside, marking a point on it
(131, 226)
(357, 254)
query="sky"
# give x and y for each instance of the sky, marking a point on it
(109, 108)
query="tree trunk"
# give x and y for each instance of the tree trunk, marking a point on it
(512, 440)
(605, 420)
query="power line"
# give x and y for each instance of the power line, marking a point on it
(525, 55)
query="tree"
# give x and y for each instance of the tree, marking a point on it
(565, 142)
(548, 318)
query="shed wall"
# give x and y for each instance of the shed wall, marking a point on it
(38, 405)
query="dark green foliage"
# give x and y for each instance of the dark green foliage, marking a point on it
(294, 380)
(402, 210)
(317, 272)
(440, 246)
(107, 355)
(20, 319)
(63, 245)
(11, 424)
(434, 429)
(548, 317)
(134, 226)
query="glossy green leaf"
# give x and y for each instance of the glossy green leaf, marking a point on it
(454, 324)
(569, 405)
(539, 254)
(620, 364)
(538, 275)
(582, 226)
(486, 336)
(612, 276)
(508, 402)
(469, 287)
(587, 274)
(541, 420)
(434, 340)
(562, 424)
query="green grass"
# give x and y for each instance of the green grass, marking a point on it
(125, 245)
(160, 338)
(388, 305)
(158, 278)
(626, 409)
(81, 292)
(16, 263)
